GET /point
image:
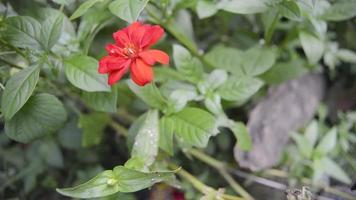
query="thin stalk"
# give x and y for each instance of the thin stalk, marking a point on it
(220, 167)
(2, 86)
(120, 130)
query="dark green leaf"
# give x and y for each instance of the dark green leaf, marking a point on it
(18, 90)
(23, 31)
(41, 115)
(83, 8)
(102, 101)
(166, 135)
(51, 30)
(341, 10)
(290, 10)
(127, 10)
(93, 126)
(52, 154)
(82, 71)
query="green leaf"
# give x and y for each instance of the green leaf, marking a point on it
(212, 102)
(341, 10)
(64, 2)
(327, 143)
(257, 60)
(41, 115)
(242, 136)
(130, 180)
(312, 46)
(334, 170)
(166, 130)
(51, 30)
(23, 31)
(83, 8)
(214, 80)
(346, 55)
(146, 140)
(290, 10)
(51, 153)
(305, 146)
(93, 126)
(102, 101)
(18, 90)
(285, 71)
(192, 126)
(164, 74)
(226, 58)
(312, 132)
(179, 98)
(134, 129)
(82, 72)
(149, 94)
(239, 88)
(127, 10)
(246, 6)
(186, 63)
(206, 9)
(104, 184)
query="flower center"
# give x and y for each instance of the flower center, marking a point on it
(130, 51)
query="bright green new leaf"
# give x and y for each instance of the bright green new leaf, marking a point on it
(93, 126)
(192, 126)
(238, 88)
(130, 180)
(334, 170)
(104, 184)
(51, 30)
(127, 10)
(24, 32)
(313, 47)
(102, 101)
(166, 131)
(242, 136)
(312, 132)
(18, 90)
(327, 143)
(42, 114)
(146, 141)
(149, 94)
(305, 147)
(212, 102)
(206, 9)
(83, 8)
(341, 10)
(186, 63)
(82, 72)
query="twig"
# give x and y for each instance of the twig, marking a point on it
(120, 130)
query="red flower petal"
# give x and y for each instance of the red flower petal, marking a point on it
(113, 50)
(116, 76)
(152, 56)
(121, 38)
(141, 73)
(153, 34)
(112, 63)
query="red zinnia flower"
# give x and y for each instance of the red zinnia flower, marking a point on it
(131, 51)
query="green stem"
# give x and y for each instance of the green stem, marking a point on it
(2, 86)
(10, 64)
(120, 130)
(220, 167)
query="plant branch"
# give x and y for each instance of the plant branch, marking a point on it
(221, 168)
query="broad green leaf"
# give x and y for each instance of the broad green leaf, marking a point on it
(127, 10)
(257, 60)
(130, 180)
(83, 8)
(290, 10)
(206, 9)
(192, 126)
(341, 10)
(104, 184)
(239, 88)
(82, 72)
(270, 20)
(212, 102)
(327, 143)
(242, 136)
(42, 114)
(346, 55)
(146, 140)
(102, 101)
(186, 63)
(134, 129)
(313, 47)
(149, 94)
(51, 30)
(23, 31)
(214, 80)
(246, 6)
(285, 71)
(226, 58)
(93, 126)
(334, 170)
(305, 146)
(164, 74)
(179, 98)
(18, 90)
(166, 131)
(51, 152)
